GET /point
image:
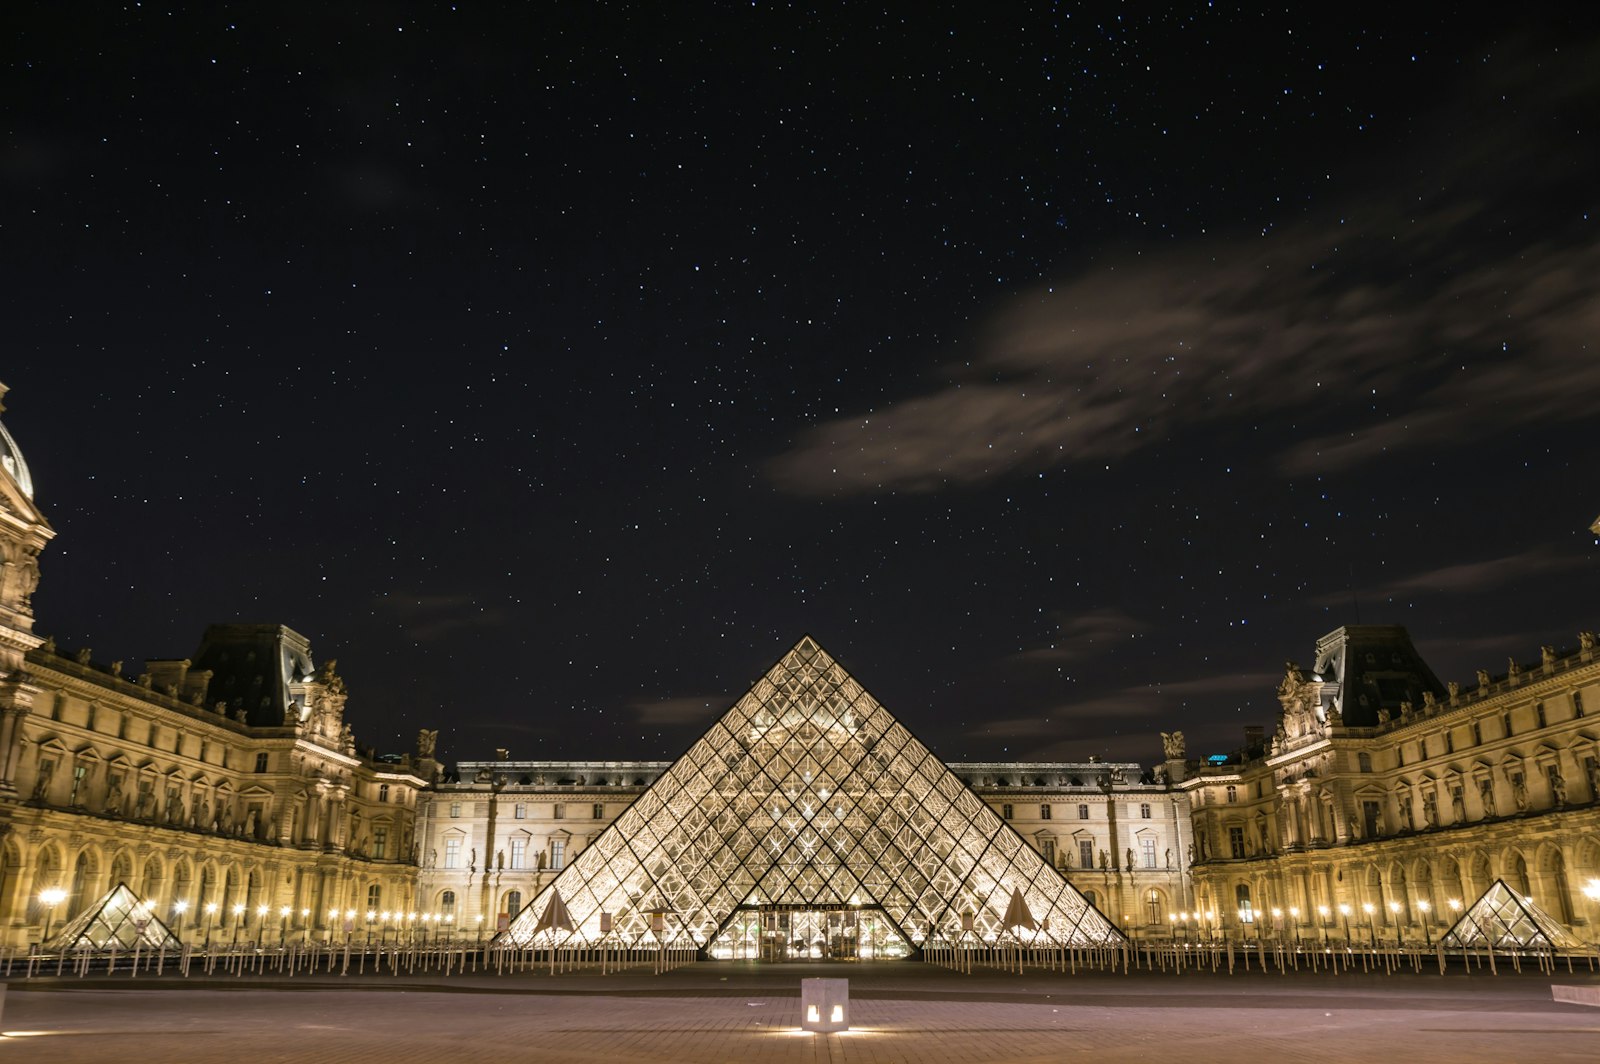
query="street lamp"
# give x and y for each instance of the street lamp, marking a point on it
(1344, 914)
(305, 925)
(50, 897)
(211, 912)
(1394, 910)
(1323, 911)
(179, 907)
(1372, 931)
(283, 930)
(1427, 930)
(238, 920)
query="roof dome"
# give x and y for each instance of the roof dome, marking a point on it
(11, 459)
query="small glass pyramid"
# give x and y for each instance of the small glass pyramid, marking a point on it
(1501, 919)
(119, 919)
(808, 796)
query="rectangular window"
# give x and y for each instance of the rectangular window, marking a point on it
(1005, 811)
(262, 760)
(558, 849)
(380, 843)
(1147, 851)
(1047, 850)
(519, 811)
(1577, 704)
(561, 811)
(1449, 742)
(455, 809)
(383, 792)
(1233, 794)
(519, 853)
(1477, 734)
(1083, 812)
(1044, 812)
(1086, 853)
(1538, 714)
(1236, 842)
(452, 853)
(1144, 811)
(598, 811)
(78, 772)
(1371, 815)
(1505, 725)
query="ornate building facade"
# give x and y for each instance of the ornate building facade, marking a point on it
(1386, 799)
(226, 789)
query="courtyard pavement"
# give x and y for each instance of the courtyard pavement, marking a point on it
(720, 1012)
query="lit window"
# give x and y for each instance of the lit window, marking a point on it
(513, 902)
(1236, 842)
(1147, 852)
(383, 792)
(1086, 853)
(447, 903)
(380, 843)
(519, 853)
(452, 853)
(558, 850)
(455, 809)
(374, 897)
(519, 811)
(1233, 793)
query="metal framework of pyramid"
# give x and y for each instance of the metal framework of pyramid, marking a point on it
(120, 920)
(1501, 919)
(809, 794)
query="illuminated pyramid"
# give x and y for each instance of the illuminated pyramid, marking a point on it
(120, 921)
(808, 795)
(1502, 919)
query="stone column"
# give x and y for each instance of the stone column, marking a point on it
(16, 702)
(333, 832)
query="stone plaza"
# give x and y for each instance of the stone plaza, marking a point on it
(733, 1011)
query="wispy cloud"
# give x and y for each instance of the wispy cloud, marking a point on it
(427, 617)
(1466, 577)
(1141, 702)
(1084, 636)
(688, 709)
(1422, 317)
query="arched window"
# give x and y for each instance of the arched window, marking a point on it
(1154, 908)
(513, 902)
(1241, 897)
(447, 903)
(374, 898)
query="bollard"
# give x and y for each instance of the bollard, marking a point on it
(824, 1005)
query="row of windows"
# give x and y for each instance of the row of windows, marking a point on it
(559, 812)
(1086, 855)
(518, 857)
(1008, 811)
(1364, 761)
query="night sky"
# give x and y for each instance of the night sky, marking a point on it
(557, 367)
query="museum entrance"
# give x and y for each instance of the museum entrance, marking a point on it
(800, 932)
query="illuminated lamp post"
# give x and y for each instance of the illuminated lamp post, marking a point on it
(1427, 926)
(1344, 915)
(238, 920)
(1394, 911)
(283, 928)
(211, 916)
(305, 926)
(1294, 917)
(50, 897)
(262, 912)
(1372, 931)
(179, 907)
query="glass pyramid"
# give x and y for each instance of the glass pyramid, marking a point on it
(809, 795)
(119, 919)
(1501, 919)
